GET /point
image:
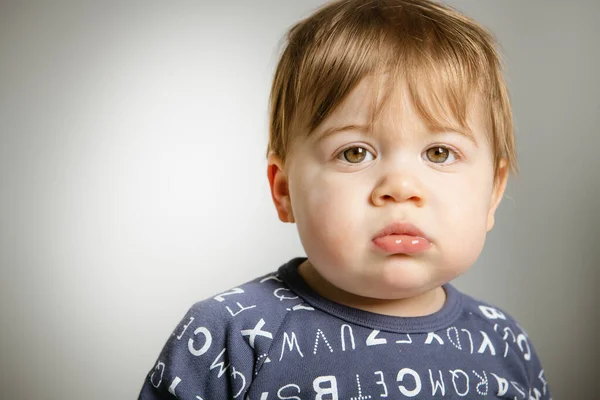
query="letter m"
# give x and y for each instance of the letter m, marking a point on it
(291, 343)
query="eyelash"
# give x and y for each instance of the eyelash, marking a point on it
(457, 155)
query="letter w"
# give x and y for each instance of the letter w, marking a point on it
(435, 384)
(220, 365)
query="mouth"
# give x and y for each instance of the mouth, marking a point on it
(401, 238)
(400, 228)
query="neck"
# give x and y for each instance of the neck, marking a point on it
(425, 303)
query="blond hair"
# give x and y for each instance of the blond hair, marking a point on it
(443, 56)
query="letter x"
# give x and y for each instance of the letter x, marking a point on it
(256, 332)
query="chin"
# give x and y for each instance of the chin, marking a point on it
(388, 289)
(401, 270)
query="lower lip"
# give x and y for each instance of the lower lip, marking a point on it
(404, 244)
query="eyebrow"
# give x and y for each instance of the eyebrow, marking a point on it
(335, 129)
(366, 129)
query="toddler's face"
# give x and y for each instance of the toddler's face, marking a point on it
(344, 188)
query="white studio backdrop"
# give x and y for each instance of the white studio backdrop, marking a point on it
(133, 182)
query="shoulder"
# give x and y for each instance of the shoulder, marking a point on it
(258, 302)
(493, 318)
(509, 338)
(254, 306)
(214, 349)
(259, 293)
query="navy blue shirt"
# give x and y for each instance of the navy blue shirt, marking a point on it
(275, 338)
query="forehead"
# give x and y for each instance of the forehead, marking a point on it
(378, 108)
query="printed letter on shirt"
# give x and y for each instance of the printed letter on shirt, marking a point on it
(417, 385)
(207, 342)
(502, 385)
(491, 313)
(291, 343)
(329, 387)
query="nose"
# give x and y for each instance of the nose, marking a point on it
(398, 188)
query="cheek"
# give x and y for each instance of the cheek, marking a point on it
(462, 217)
(465, 212)
(464, 200)
(327, 211)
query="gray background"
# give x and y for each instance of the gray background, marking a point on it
(132, 182)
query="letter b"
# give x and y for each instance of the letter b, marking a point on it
(322, 391)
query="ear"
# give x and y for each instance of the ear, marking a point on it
(278, 181)
(498, 191)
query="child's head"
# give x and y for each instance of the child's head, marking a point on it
(389, 111)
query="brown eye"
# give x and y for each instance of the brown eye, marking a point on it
(439, 154)
(355, 155)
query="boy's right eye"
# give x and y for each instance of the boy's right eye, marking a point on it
(354, 154)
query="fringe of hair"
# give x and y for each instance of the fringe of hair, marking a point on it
(443, 57)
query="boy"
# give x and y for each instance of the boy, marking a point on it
(390, 146)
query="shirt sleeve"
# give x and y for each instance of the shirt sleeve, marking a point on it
(203, 359)
(538, 385)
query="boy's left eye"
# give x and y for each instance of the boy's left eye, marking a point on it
(354, 155)
(441, 154)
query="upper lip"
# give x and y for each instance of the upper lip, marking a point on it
(400, 228)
